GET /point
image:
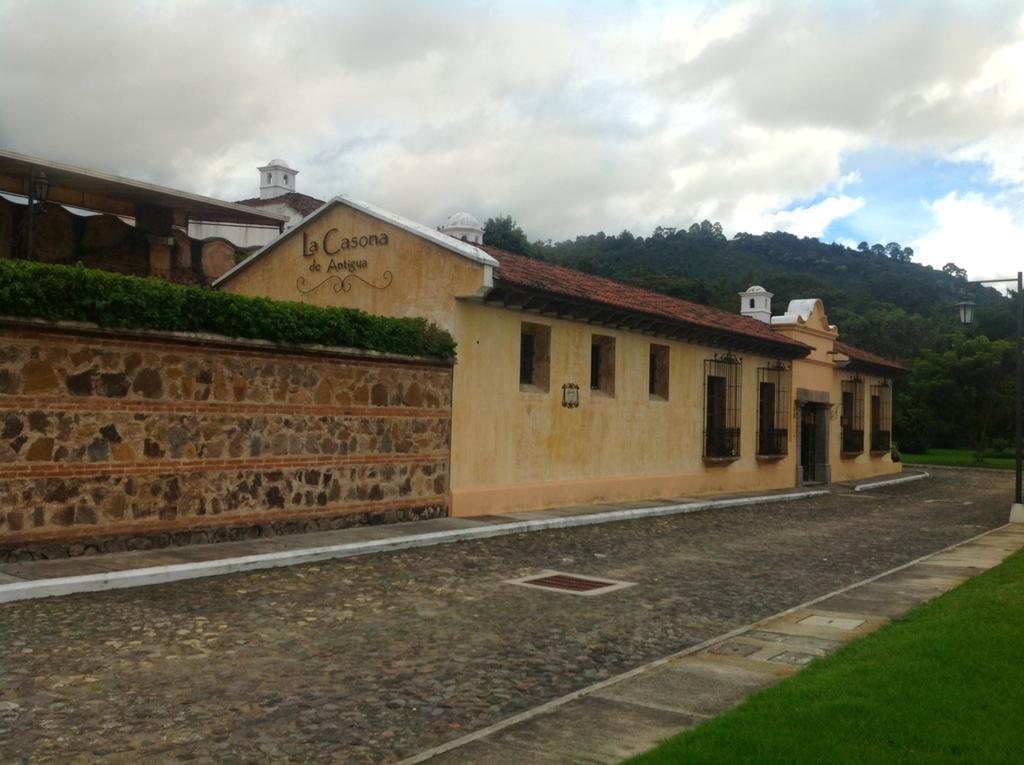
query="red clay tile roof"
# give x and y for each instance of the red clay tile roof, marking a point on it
(857, 356)
(302, 203)
(520, 271)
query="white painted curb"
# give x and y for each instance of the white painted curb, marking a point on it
(116, 580)
(890, 482)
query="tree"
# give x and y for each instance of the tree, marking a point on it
(955, 271)
(966, 392)
(504, 233)
(863, 247)
(708, 230)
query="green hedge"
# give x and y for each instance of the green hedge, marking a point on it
(75, 293)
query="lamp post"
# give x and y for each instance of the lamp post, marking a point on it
(38, 189)
(966, 309)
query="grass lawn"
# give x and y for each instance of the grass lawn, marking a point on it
(959, 458)
(944, 684)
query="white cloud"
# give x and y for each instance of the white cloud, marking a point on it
(983, 237)
(851, 178)
(572, 117)
(811, 220)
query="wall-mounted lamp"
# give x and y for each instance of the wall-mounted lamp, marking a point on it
(40, 186)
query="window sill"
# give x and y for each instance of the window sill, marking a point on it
(851, 455)
(656, 397)
(880, 452)
(771, 457)
(531, 389)
(719, 461)
(597, 393)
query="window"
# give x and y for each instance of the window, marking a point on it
(881, 417)
(286, 179)
(722, 407)
(773, 410)
(751, 302)
(657, 381)
(270, 178)
(853, 416)
(534, 356)
(602, 364)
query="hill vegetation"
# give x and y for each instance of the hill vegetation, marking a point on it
(881, 300)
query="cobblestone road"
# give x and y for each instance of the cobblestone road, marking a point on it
(372, 659)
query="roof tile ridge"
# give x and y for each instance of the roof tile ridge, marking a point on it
(713, 310)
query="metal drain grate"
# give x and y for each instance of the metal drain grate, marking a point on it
(574, 583)
(570, 583)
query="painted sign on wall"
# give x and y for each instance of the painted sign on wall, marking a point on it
(320, 254)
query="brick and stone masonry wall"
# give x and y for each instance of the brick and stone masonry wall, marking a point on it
(127, 440)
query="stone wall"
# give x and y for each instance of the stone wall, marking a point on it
(123, 440)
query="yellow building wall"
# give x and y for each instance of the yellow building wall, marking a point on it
(518, 450)
(865, 464)
(818, 372)
(407, 276)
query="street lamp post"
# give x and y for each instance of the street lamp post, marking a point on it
(966, 309)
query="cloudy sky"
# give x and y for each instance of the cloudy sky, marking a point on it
(843, 120)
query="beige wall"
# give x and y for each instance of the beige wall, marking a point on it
(423, 277)
(865, 464)
(515, 449)
(818, 372)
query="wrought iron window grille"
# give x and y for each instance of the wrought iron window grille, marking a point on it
(852, 417)
(881, 417)
(773, 410)
(722, 400)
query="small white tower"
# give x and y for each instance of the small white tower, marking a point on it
(756, 303)
(464, 226)
(276, 178)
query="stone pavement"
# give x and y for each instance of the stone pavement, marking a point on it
(97, 572)
(626, 716)
(374, 659)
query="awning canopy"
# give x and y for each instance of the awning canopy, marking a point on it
(105, 193)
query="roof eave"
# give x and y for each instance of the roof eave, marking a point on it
(205, 208)
(411, 227)
(532, 300)
(871, 368)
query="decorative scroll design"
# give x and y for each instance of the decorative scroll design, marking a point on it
(344, 284)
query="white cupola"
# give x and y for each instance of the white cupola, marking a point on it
(756, 303)
(276, 178)
(464, 226)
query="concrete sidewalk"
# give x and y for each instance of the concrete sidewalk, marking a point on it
(631, 713)
(92, 573)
